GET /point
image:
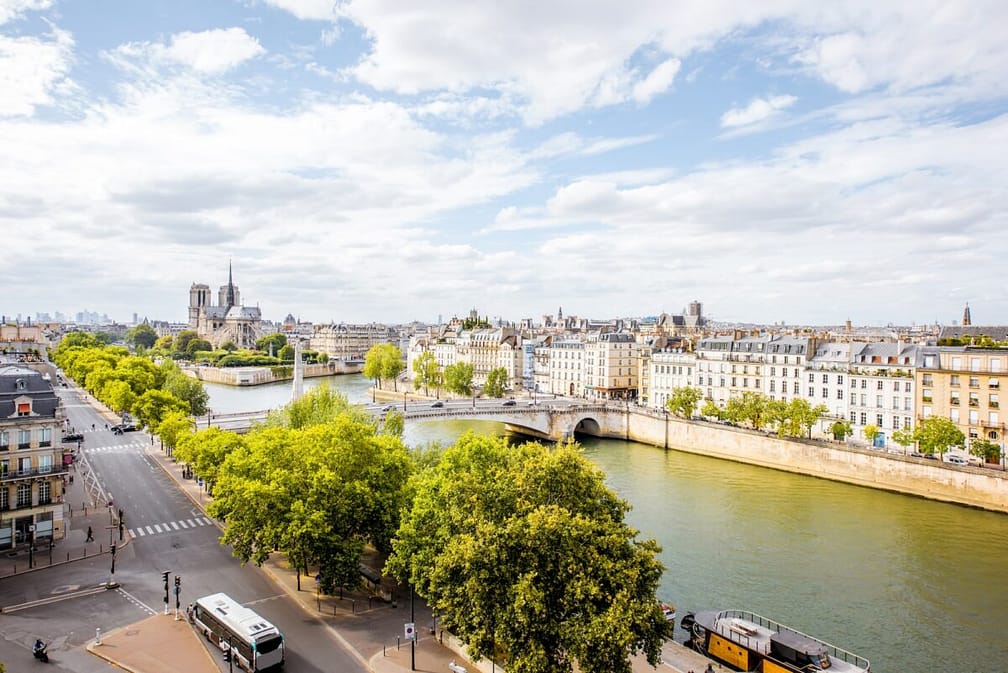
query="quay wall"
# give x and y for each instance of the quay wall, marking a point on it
(982, 487)
(256, 376)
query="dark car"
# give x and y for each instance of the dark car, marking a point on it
(388, 407)
(73, 437)
(509, 403)
(437, 405)
(123, 427)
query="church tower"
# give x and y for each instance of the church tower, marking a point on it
(966, 315)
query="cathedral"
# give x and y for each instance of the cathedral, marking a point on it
(225, 321)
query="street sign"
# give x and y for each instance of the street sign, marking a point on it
(410, 631)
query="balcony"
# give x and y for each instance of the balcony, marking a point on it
(926, 398)
(24, 445)
(48, 471)
(954, 401)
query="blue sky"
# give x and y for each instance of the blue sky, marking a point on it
(386, 161)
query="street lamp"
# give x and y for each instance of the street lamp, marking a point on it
(665, 409)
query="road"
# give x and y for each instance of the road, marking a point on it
(169, 534)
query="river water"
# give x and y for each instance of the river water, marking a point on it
(913, 585)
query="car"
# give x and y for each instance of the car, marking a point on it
(956, 459)
(388, 407)
(73, 437)
(123, 427)
(437, 405)
(532, 403)
(509, 403)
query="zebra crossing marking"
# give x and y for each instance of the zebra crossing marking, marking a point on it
(170, 526)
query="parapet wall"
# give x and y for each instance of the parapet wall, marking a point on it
(982, 487)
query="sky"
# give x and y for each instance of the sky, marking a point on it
(368, 160)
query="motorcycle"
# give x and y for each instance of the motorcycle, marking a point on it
(39, 651)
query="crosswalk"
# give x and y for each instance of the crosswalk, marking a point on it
(170, 527)
(115, 448)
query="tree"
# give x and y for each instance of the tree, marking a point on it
(869, 432)
(383, 362)
(496, 382)
(683, 401)
(318, 406)
(804, 415)
(526, 555)
(985, 450)
(710, 409)
(143, 335)
(119, 396)
(229, 346)
(750, 407)
(903, 437)
(459, 378)
(286, 353)
(182, 340)
(164, 343)
(427, 370)
(173, 428)
(151, 407)
(841, 429)
(139, 372)
(937, 435)
(188, 389)
(271, 343)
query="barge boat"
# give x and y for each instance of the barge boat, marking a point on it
(746, 641)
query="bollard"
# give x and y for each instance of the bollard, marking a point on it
(97, 635)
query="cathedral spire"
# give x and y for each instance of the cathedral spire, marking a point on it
(966, 316)
(230, 288)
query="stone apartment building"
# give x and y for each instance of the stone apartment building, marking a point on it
(350, 342)
(31, 460)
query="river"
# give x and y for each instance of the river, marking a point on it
(915, 586)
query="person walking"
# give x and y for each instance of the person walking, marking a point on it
(90, 535)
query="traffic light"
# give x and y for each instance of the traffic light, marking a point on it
(178, 581)
(227, 654)
(113, 549)
(164, 576)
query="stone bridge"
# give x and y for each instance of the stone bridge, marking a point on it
(543, 421)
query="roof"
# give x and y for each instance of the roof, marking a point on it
(17, 382)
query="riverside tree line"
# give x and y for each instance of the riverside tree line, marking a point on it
(522, 551)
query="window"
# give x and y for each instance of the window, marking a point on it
(954, 398)
(974, 400)
(895, 403)
(839, 394)
(24, 439)
(853, 417)
(974, 417)
(906, 387)
(772, 388)
(974, 364)
(992, 418)
(992, 400)
(895, 422)
(992, 435)
(45, 464)
(991, 383)
(926, 412)
(45, 437)
(906, 422)
(44, 493)
(878, 401)
(756, 383)
(954, 415)
(796, 372)
(878, 385)
(825, 378)
(864, 418)
(3, 498)
(825, 393)
(973, 433)
(24, 409)
(796, 389)
(839, 379)
(23, 495)
(4, 440)
(811, 377)
(926, 380)
(811, 392)
(878, 420)
(926, 395)
(974, 382)
(995, 364)
(956, 363)
(954, 380)
(864, 400)
(907, 404)
(773, 370)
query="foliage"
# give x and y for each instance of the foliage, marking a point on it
(711, 410)
(458, 378)
(164, 343)
(174, 427)
(526, 555)
(427, 370)
(182, 339)
(903, 437)
(247, 359)
(986, 450)
(276, 340)
(473, 322)
(188, 389)
(683, 401)
(841, 429)
(286, 353)
(496, 382)
(394, 423)
(750, 407)
(198, 346)
(229, 346)
(318, 494)
(206, 450)
(143, 335)
(383, 362)
(869, 432)
(937, 434)
(118, 396)
(151, 407)
(318, 406)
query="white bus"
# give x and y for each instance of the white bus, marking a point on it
(255, 644)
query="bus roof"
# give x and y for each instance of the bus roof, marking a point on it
(242, 620)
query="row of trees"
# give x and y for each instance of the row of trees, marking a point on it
(270, 350)
(789, 419)
(522, 550)
(385, 362)
(128, 383)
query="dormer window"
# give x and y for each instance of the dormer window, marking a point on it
(20, 384)
(24, 409)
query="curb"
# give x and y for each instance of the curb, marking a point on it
(56, 599)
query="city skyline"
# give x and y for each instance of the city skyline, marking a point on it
(781, 163)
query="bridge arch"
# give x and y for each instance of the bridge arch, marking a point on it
(584, 425)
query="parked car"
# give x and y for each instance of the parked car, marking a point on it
(73, 437)
(437, 405)
(956, 459)
(509, 403)
(388, 407)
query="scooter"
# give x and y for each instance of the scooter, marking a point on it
(39, 651)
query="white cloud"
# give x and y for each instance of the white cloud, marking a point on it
(32, 70)
(313, 10)
(757, 110)
(658, 81)
(213, 51)
(12, 9)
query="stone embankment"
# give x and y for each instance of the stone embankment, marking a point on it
(255, 376)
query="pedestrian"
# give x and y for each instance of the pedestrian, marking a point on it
(106, 426)
(90, 536)
(710, 668)
(92, 427)
(71, 478)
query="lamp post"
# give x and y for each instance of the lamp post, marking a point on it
(665, 409)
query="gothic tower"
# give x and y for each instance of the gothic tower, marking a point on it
(966, 315)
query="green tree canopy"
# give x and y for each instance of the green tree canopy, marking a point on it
(869, 432)
(174, 426)
(986, 450)
(188, 389)
(164, 343)
(151, 407)
(710, 409)
(525, 553)
(496, 382)
(276, 340)
(143, 336)
(427, 370)
(937, 434)
(459, 378)
(318, 406)
(843, 428)
(750, 408)
(683, 401)
(384, 362)
(182, 340)
(119, 396)
(286, 353)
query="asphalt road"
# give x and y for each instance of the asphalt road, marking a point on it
(166, 537)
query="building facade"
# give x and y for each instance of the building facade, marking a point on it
(225, 321)
(31, 460)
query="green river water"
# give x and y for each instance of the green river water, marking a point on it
(913, 585)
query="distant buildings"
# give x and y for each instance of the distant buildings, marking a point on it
(227, 320)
